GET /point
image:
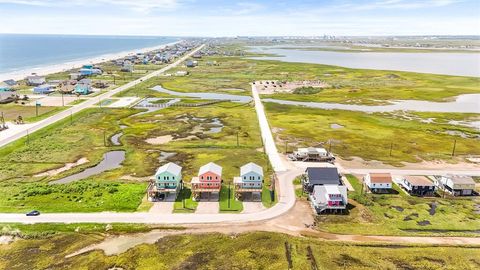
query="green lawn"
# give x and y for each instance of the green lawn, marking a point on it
(235, 205)
(370, 136)
(256, 250)
(184, 202)
(400, 214)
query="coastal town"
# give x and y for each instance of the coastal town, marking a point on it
(180, 136)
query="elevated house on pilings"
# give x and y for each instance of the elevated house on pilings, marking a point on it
(249, 181)
(209, 180)
(167, 180)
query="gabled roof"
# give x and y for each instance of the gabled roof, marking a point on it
(171, 168)
(418, 180)
(210, 167)
(380, 178)
(461, 179)
(251, 167)
(10, 82)
(323, 176)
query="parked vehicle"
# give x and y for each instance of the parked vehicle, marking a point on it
(33, 213)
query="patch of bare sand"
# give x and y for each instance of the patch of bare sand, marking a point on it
(299, 222)
(160, 140)
(67, 167)
(359, 163)
(134, 178)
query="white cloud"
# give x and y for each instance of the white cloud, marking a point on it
(136, 5)
(400, 4)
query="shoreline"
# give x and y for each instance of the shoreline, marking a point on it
(54, 68)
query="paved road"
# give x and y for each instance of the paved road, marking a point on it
(268, 141)
(470, 172)
(19, 133)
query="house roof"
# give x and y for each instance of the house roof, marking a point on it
(171, 168)
(323, 176)
(380, 178)
(418, 180)
(332, 189)
(10, 82)
(312, 150)
(5, 95)
(251, 167)
(35, 77)
(210, 167)
(461, 179)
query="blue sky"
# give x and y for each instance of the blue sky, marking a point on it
(231, 18)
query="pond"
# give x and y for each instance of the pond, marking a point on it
(205, 95)
(460, 64)
(468, 103)
(111, 160)
(115, 139)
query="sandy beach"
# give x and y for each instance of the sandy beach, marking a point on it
(49, 69)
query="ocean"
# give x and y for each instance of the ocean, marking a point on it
(22, 51)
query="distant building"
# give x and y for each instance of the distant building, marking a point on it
(67, 86)
(43, 89)
(312, 154)
(191, 63)
(378, 182)
(10, 82)
(167, 180)
(7, 97)
(35, 80)
(181, 73)
(83, 87)
(5, 87)
(127, 66)
(456, 185)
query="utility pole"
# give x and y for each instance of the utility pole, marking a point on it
(454, 146)
(391, 147)
(228, 195)
(71, 118)
(237, 139)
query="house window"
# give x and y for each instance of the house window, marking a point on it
(244, 178)
(201, 177)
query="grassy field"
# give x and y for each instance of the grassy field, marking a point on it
(28, 113)
(193, 145)
(61, 143)
(370, 136)
(257, 250)
(400, 214)
(358, 86)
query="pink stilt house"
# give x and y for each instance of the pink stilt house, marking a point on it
(209, 180)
